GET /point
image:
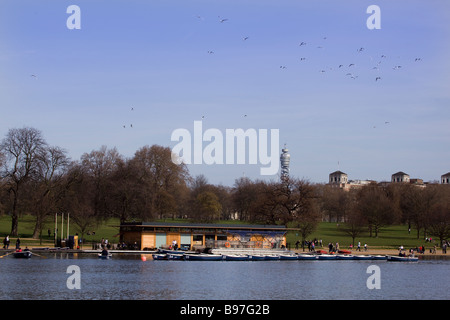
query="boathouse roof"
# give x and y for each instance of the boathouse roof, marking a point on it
(204, 226)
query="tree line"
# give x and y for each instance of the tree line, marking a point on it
(41, 180)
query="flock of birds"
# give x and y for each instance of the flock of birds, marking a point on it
(351, 67)
(379, 64)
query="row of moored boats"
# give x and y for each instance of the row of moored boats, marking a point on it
(180, 255)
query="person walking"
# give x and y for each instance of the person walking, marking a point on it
(7, 241)
(17, 244)
(359, 246)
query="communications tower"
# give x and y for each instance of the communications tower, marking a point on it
(285, 159)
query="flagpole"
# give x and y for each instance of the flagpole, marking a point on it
(62, 227)
(56, 228)
(67, 225)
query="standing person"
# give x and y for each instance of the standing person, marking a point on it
(7, 241)
(359, 246)
(17, 243)
(365, 246)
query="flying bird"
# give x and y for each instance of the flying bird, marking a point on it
(377, 78)
(351, 64)
(210, 52)
(282, 67)
(360, 49)
(301, 59)
(222, 20)
(245, 38)
(302, 44)
(418, 59)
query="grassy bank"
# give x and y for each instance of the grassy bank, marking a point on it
(388, 238)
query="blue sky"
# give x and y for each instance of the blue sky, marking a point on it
(153, 56)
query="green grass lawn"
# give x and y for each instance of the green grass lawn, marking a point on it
(389, 237)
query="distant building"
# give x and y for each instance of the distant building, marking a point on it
(338, 178)
(360, 183)
(445, 178)
(198, 236)
(400, 177)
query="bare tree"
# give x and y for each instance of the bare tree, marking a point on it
(374, 204)
(98, 167)
(22, 149)
(438, 220)
(45, 187)
(335, 202)
(163, 182)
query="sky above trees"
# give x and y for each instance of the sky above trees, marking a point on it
(367, 102)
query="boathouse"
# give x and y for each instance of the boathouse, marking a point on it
(196, 236)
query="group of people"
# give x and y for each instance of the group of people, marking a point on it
(332, 247)
(311, 244)
(7, 241)
(358, 248)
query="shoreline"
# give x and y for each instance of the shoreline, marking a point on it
(374, 251)
(389, 252)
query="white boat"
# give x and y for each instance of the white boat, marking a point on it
(288, 257)
(404, 259)
(159, 256)
(362, 257)
(235, 257)
(202, 257)
(307, 257)
(345, 257)
(256, 257)
(379, 257)
(173, 256)
(327, 257)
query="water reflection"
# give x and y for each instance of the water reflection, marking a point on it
(129, 276)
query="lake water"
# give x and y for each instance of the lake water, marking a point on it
(127, 277)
